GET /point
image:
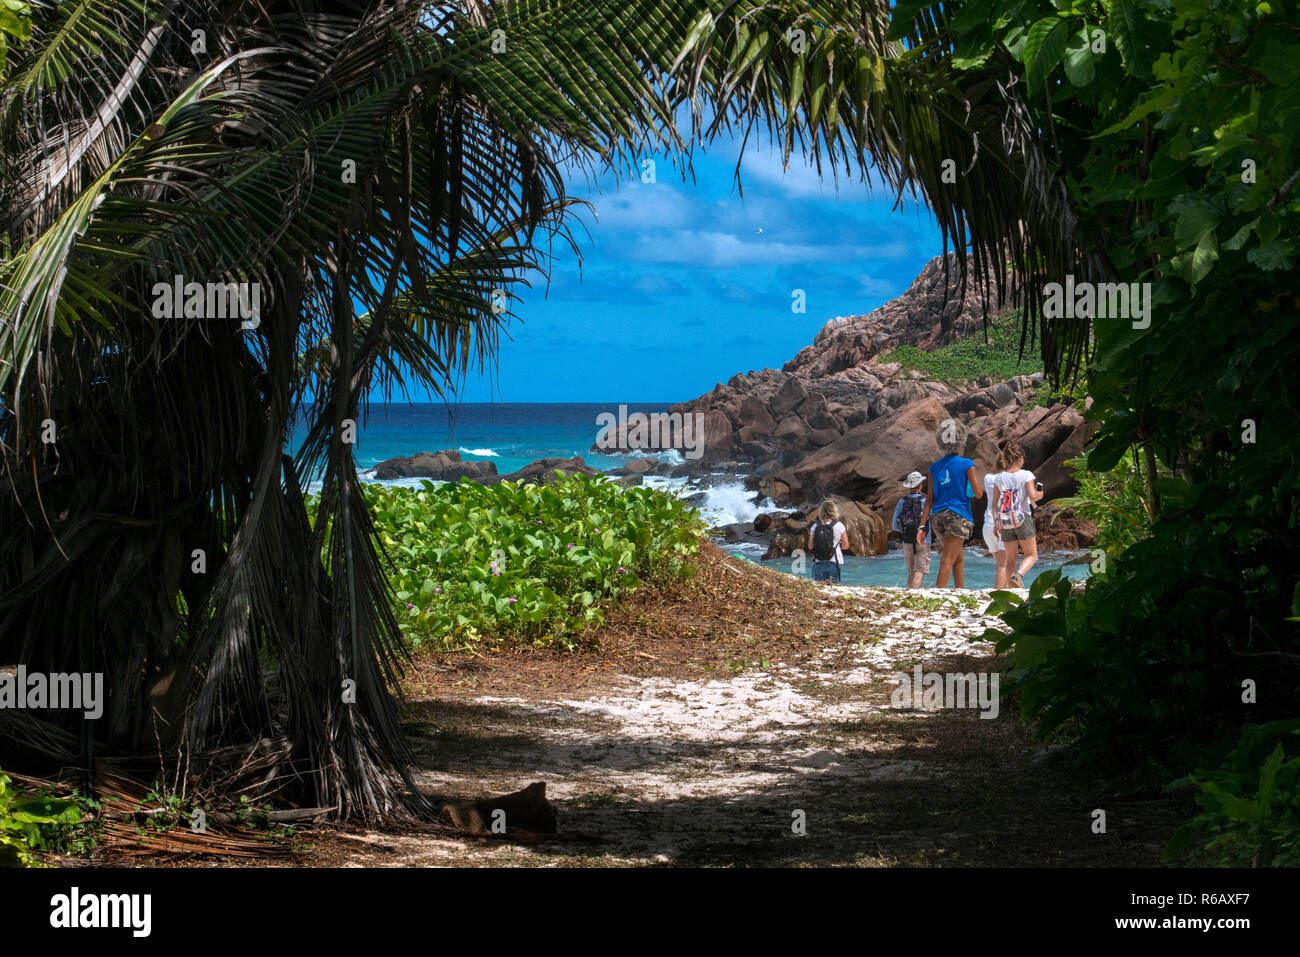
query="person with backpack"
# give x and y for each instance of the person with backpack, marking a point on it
(827, 538)
(907, 522)
(992, 534)
(1016, 492)
(952, 482)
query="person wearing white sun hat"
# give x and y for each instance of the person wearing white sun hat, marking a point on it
(907, 522)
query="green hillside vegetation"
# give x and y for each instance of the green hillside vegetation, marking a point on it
(997, 356)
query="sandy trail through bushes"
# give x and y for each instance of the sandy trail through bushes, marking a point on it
(711, 767)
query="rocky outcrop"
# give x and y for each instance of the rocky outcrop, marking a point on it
(543, 470)
(838, 421)
(444, 466)
(868, 463)
(933, 312)
(868, 533)
(1060, 529)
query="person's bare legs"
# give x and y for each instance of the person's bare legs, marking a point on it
(1002, 576)
(1030, 548)
(949, 558)
(1009, 561)
(959, 566)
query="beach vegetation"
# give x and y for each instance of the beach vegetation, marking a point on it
(513, 563)
(993, 352)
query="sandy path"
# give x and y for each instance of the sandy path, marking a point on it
(714, 769)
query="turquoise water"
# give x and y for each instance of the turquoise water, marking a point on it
(890, 570)
(507, 434)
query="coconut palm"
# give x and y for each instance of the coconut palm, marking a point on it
(390, 173)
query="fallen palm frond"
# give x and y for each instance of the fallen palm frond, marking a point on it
(130, 821)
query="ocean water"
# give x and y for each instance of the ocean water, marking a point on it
(890, 570)
(510, 435)
(507, 434)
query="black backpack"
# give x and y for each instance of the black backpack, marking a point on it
(909, 519)
(823, 542)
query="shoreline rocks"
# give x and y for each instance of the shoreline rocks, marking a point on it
(444, 466)
(543, 470)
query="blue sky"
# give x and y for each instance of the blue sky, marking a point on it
(684, 284)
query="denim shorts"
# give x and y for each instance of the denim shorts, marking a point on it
(826, 571)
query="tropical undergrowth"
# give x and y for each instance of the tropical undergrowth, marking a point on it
(996, 355)
(1172, 131)
(27, 821)
(523, 563)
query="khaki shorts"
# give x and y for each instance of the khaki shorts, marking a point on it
(916, 558)
(1022, 533)
(951, 525)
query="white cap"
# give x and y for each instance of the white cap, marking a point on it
(913, 480)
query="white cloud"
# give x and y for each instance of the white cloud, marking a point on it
(636, 205)
(871, 286)
(716, 250)
(800, 180)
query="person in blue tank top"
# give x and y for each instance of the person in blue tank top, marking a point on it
(952, 481)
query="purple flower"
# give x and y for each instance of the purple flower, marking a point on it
(409, 606)
(437, 591)
(622, 570)
(513, 600)
(539, 521)
(595, 530)
(570, 545)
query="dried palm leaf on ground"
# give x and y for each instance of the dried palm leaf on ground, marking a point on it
(130, 822)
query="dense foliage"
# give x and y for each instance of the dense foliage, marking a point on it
(14, 22)
(24, 819)
(1251, 805)
(534, 563)
(1172, 126)
(995, 353)
(1118, 500)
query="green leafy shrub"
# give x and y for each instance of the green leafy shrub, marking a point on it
(1116, 499)
(1145, 657)
(1251, 805)
(973, 357)
(14, 21)
(22, 818)
(1160, 116)
(526, 563)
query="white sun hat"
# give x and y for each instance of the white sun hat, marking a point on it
(913, 480)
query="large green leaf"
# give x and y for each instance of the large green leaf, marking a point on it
(1043, 49)
(1127, 26)
(1079, 68)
